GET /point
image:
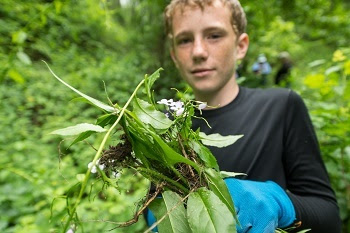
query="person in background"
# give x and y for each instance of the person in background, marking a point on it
(286, 181)
(262, 69)
(283, 72)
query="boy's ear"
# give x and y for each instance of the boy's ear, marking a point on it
(242, 45)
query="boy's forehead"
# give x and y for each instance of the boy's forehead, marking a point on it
(217, 10)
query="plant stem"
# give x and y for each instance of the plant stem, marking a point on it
(162, 177)
(97, 156)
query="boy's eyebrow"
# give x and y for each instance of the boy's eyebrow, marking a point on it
(189, 32)
(182, 33)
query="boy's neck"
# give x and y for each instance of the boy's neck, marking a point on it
(222, 97)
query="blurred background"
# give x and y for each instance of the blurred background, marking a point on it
(116, 42)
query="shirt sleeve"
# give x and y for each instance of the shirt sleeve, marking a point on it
(307, 179)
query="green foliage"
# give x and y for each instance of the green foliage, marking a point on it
(158, 151)
(171, 207)
(91, 41)
(206, 207)
(326, 92)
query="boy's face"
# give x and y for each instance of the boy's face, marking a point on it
(205, 47)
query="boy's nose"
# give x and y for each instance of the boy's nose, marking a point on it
(199, 52)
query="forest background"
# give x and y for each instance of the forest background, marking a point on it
(88, 42)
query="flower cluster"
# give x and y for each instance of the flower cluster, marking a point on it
(178, 106)
(94, 169)
(115, 174)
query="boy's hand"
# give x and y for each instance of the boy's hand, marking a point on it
(261, 206)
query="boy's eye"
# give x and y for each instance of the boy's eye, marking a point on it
(183, 41)
(214, 36)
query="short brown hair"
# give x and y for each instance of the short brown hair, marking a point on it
(238, 18)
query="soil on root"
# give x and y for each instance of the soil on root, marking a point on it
(117, 156)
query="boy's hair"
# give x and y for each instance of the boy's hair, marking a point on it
(238, 18)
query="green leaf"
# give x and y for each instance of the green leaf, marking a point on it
(81, 137)
(149, 81)
(79, 128)
(225, 174)
(170, 155)
(149, 115)
(204, 154)
(207, 213)
(95, 102)
(101, 121)
(218, 186)
(316, 63)
(19, 37)
(332, 69)
(106, 119)
(24, 58)
(172, 206)
(218, 140)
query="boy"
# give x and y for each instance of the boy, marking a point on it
(286, 179)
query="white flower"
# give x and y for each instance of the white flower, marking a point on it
(93, 168)
(166, 102)
(202, 106)
(116, 175)
(177, 107)
(70, 231)
(178, 104)
(163, 101)
(179, 111)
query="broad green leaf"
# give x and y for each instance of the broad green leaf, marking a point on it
(204, 154)
(218, 140)
(170, 155)
(143, 149)
(218, 186)
(101, 121)
(149, 81)
(77, 129)
(207, 214)
(149, 115)
(172, 206)
(95, 102)
(225, 174)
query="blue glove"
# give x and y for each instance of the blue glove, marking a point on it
(261, 206)
(150, 219)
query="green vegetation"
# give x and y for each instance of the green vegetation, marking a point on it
(94, 41)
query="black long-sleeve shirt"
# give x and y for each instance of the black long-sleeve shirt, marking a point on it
(279, 144)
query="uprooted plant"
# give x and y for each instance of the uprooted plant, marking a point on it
(163, 148)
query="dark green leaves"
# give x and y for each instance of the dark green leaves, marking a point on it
(149, 115)
(218, 140)
(218, 186)
(172, 208)
(149, 81)
(205, 154)
(206, 213)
